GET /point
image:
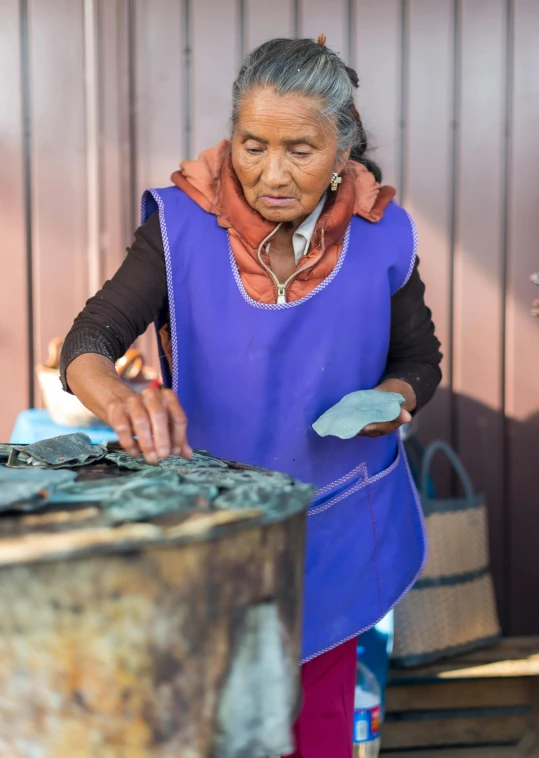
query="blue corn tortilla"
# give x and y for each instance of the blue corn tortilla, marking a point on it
(29, 488)
(142, 492)
(65, 451)
(357, 410)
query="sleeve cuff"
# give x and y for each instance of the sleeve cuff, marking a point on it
(78, 342)
(423, 378)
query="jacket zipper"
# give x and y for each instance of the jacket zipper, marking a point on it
(281, 288)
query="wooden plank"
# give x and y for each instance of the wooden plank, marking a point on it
(428, 154)
(319, 16)
(511, 648)
(377, 28)
(58, 166)
(438, 732)
(264, 21)
(448, 695)
(514, 656)
(215, 48)
(522, 359)
(478, 299)
(490, 752)
(13, 292)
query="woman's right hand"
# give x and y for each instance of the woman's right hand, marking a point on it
(152, 423)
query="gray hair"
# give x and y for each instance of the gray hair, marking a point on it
(308, 68)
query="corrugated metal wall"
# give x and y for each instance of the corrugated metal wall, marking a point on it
(102, 98)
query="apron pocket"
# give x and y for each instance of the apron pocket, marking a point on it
(365, 547)
(333, 493)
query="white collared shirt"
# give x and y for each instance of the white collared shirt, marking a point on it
(301, 239)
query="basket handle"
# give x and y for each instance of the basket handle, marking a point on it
(454, 460)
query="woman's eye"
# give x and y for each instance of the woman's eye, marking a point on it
(300, 154)
(254, 150)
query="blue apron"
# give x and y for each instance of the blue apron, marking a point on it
(253, 377)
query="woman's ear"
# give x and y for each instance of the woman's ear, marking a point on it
(341, 160)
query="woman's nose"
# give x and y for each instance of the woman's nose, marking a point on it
(275, 173)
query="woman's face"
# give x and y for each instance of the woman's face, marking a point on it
(283, 154)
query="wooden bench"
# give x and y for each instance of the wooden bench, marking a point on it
(481, 705)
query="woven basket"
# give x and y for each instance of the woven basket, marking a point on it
(452, 608)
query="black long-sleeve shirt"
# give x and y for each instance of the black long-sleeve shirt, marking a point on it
(128, 303)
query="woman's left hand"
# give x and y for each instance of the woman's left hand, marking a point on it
(401, 388)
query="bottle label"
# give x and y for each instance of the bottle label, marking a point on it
(367, 724)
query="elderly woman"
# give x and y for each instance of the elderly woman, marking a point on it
(281, 276)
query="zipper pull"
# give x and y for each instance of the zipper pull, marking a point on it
(281, 294)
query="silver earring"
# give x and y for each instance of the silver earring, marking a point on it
(335, 181)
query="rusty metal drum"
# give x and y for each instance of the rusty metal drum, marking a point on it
(177, 636)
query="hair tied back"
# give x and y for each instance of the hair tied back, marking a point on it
(308, 68)
(354, 78)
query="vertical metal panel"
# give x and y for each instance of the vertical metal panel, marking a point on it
(215, 42)
(318, 16)
(264, 21)
(115, 216)
(119, 205)
(58, 167)
(478, 297)
(91, 108)
(159, 91)
(377, 56)
(429, 174)
(132, 123)
(14, 390)
(522, 366)
(159, 105)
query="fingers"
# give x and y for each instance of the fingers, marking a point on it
(405, 417)
(178, 425)
(380, 430)
(155, 442)
(142, 425)
(152, 423)
(120, 421)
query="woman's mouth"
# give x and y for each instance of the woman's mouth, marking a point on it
(277, 199)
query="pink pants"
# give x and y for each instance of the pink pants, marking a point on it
(325, 724)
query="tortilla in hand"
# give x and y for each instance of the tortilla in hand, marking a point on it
(356, 411)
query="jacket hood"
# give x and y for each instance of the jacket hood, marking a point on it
(212, 183)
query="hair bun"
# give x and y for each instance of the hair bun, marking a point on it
(354, 78)
(322, 39)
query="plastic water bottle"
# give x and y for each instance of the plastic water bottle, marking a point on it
(367, 712)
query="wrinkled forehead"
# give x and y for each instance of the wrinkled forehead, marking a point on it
(266, 116)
